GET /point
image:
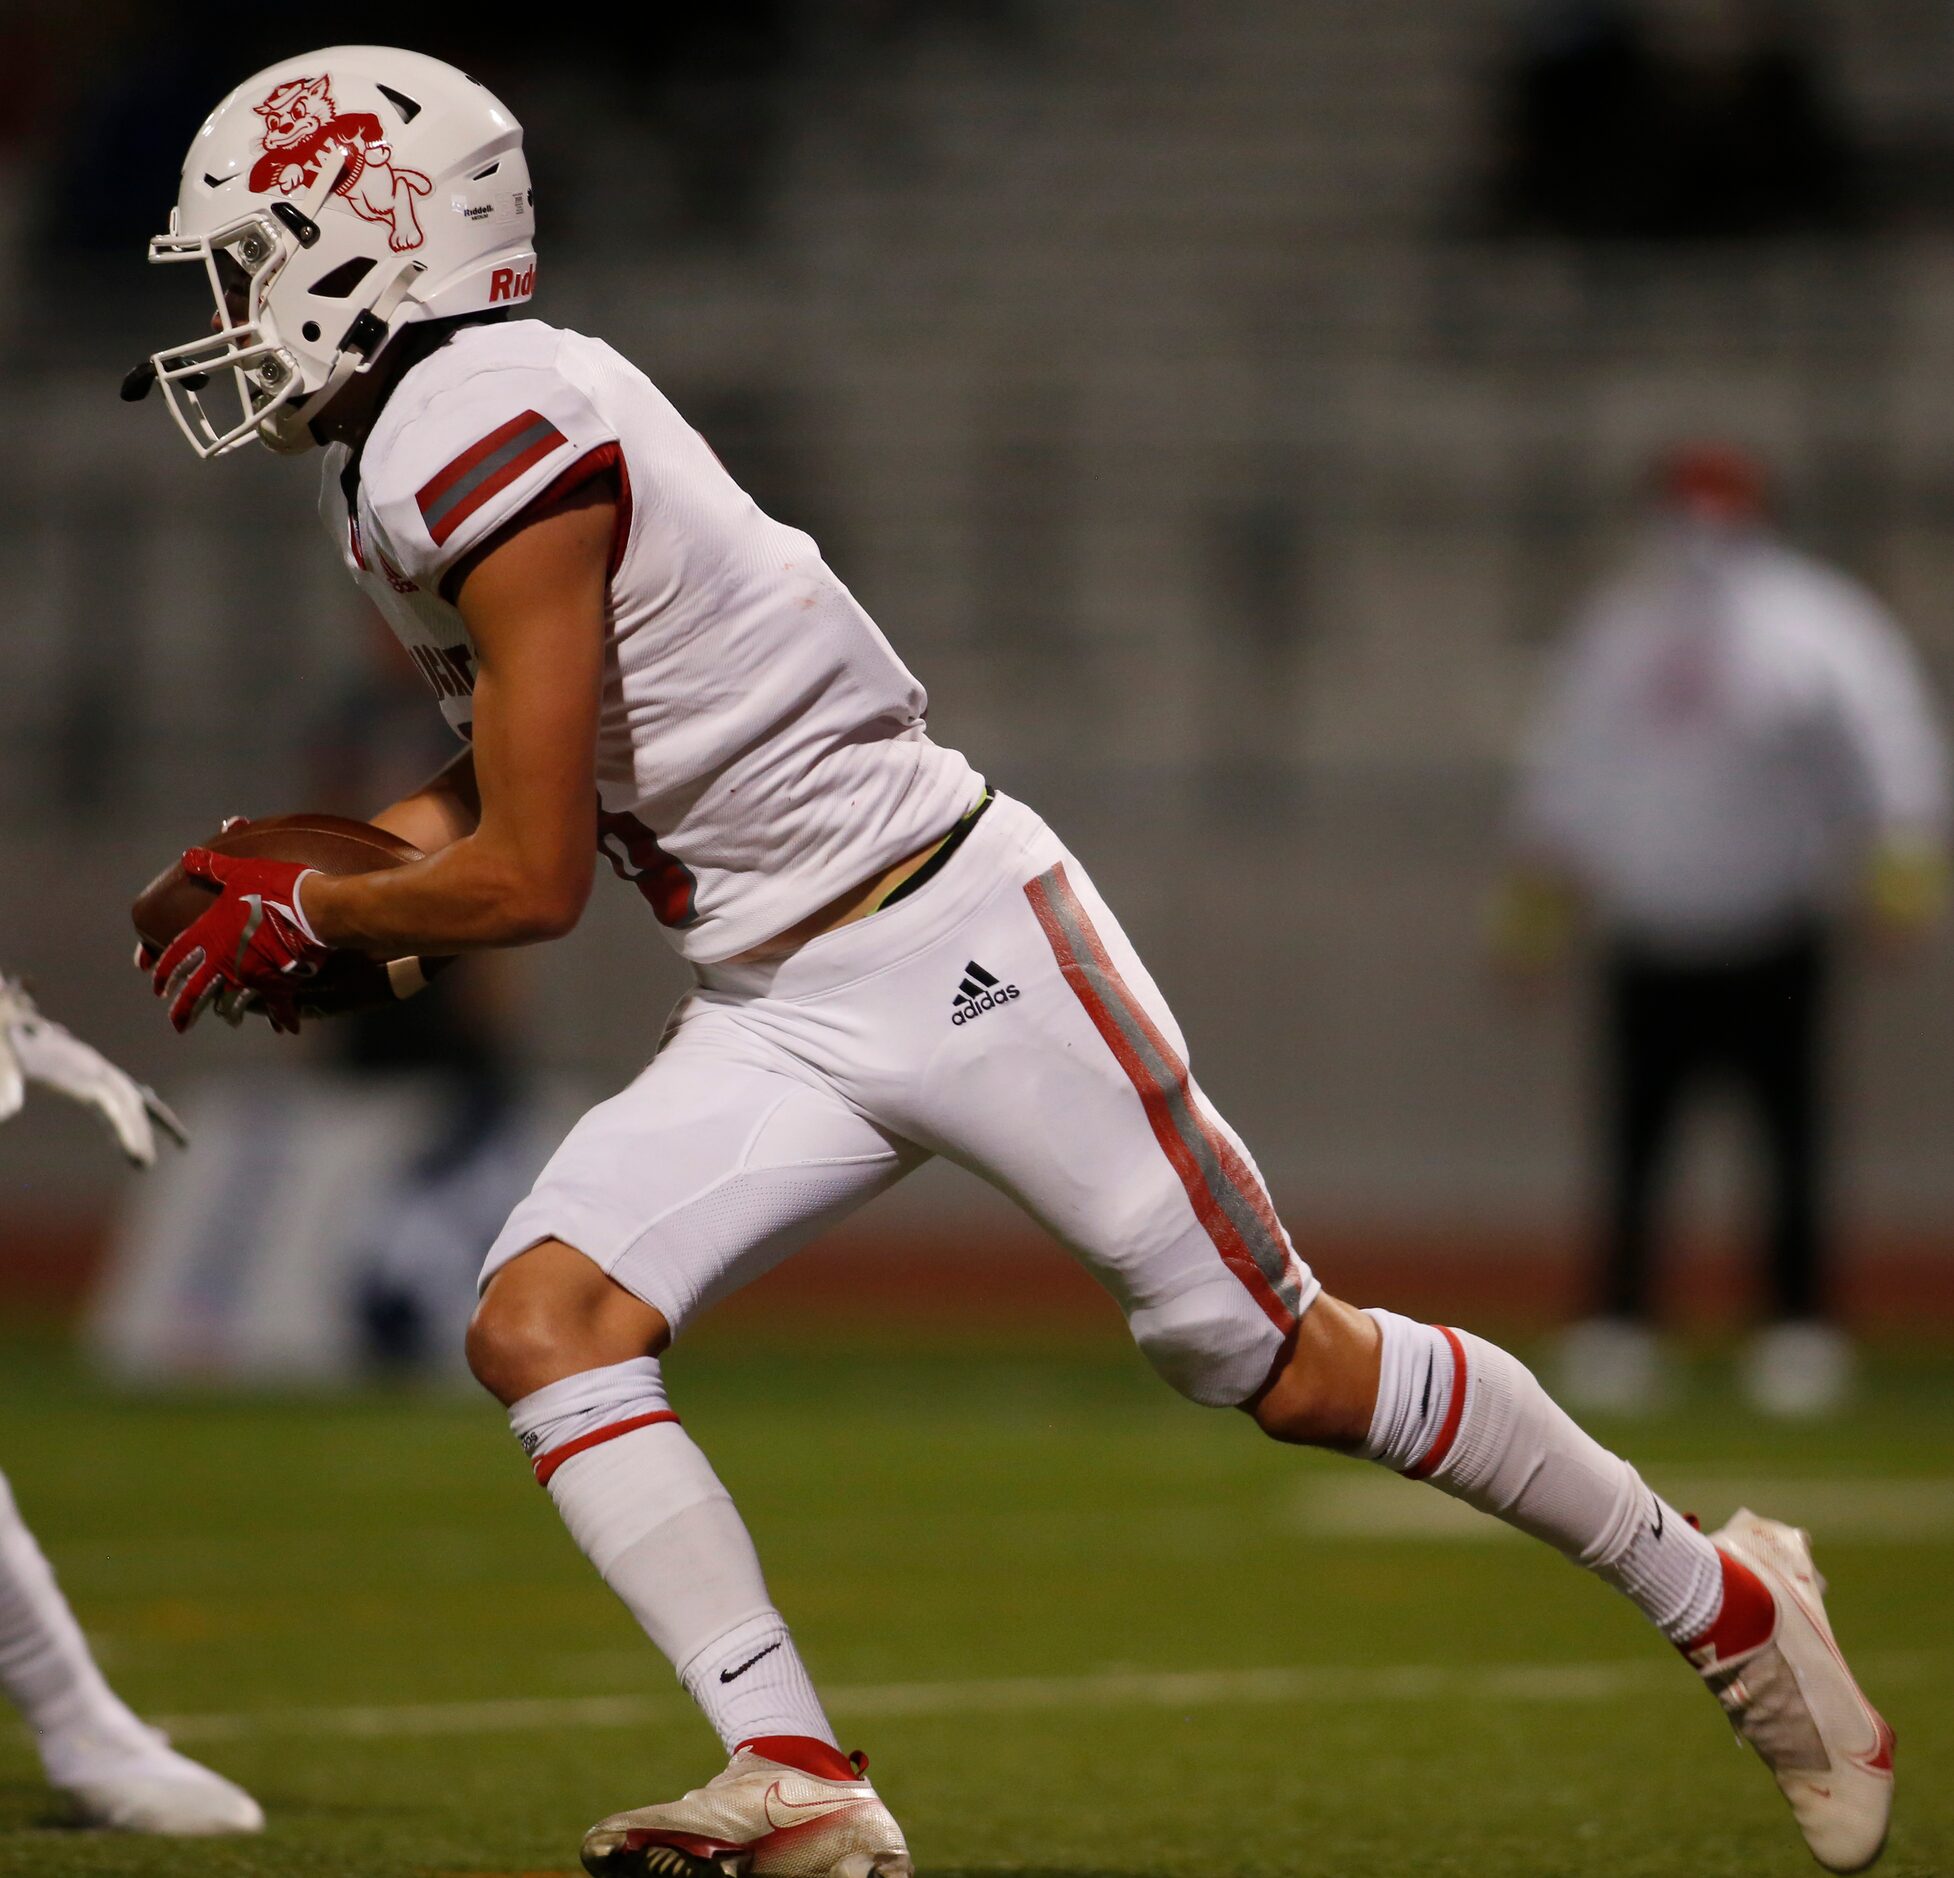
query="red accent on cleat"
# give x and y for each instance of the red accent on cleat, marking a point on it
(806, 1754)
(1881, 1759)
(1746, 1617)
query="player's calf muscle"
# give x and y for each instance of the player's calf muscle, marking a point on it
(1325, 1392)
(553, 1313)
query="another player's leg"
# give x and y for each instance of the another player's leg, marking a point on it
(1745, 1605)
(118, 1772)
(714, 1173)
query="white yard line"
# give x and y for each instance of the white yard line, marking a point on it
(1142, 1689)
(1864, 1510)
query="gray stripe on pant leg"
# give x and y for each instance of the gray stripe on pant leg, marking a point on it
(1271, 1259)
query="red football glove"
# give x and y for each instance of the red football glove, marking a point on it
(253, 940)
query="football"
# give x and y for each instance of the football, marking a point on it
(334, 844)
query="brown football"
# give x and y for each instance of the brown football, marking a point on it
(333, 844)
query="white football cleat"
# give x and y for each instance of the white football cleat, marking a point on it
(1793, 1699)
(147, 1786)
(759, 1819)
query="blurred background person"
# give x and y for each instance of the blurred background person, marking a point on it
(1736, 761)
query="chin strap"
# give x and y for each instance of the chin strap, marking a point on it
(288, 429)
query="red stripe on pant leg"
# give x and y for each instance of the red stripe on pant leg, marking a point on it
(1242, 1177)
(1214, 1220)
(1233, 1165)
(1454, 1411)
(547, 1464)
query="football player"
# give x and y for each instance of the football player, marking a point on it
(890, 961)
(117, 1772)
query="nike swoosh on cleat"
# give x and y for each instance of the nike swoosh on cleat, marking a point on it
(803, 1812)
(732, 1675)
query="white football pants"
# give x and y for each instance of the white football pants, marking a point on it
(996, 1016)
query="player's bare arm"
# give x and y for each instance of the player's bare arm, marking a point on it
(441, 811)
(534, 606)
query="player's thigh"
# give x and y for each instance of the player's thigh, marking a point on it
(1074, 1097)
(707, 1171)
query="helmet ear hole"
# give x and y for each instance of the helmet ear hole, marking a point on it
(341, 281)
(310, 331)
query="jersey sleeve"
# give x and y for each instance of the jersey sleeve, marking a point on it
(1563, 759)
(1889, 723)
(475, 456)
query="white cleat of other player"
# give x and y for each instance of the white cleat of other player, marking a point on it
(759, 1819)
(1793, 1699)
(145, 1785)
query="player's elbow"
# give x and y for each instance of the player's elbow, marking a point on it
(546, 908)
(531, 891)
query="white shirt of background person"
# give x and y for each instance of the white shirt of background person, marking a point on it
(1736, 738)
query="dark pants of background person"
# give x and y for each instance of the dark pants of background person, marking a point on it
(1752, 1025)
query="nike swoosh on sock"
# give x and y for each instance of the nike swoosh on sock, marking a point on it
(731, 1675)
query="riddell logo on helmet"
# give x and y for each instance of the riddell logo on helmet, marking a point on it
(304, 130)
(508, 283)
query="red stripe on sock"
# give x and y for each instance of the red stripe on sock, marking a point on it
(547, 1464)
(1421, 1468)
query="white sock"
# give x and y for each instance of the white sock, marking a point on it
(1463, 1414)
(45, 1665)
(650, 1514)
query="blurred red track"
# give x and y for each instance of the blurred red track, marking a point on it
(944, 1280)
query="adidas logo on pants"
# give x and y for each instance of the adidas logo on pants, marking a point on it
(979, 992)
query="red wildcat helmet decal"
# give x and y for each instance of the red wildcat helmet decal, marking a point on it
(304, 130)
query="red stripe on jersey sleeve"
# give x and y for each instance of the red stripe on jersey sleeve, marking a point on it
(484, 469)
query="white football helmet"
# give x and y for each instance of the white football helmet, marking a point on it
(333, 199)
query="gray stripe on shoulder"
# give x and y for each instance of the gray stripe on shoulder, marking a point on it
(498, 459)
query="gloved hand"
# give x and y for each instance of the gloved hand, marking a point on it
(1529, 922)
(254, 939)
(33, 1048)
(1906, 890)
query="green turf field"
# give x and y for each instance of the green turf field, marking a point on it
(1080, 1627)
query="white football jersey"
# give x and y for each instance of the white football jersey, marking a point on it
(761, 749)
